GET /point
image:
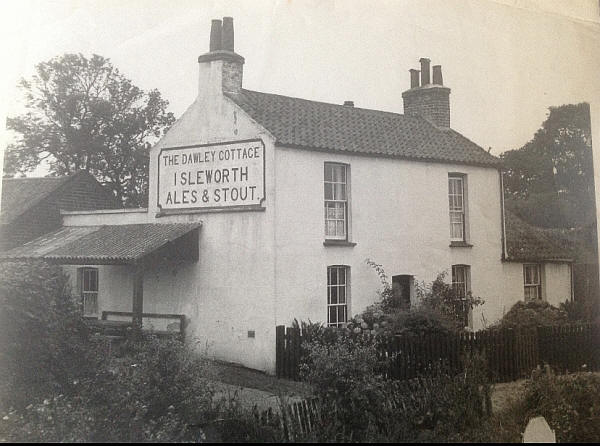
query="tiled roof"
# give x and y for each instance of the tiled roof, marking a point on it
(322, 126)
(21, 194)
(101, 244)
(527, 243)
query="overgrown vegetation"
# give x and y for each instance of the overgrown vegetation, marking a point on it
(532, 314)
(59, 382)
(570, 404)
(44, 344)
(359, 404)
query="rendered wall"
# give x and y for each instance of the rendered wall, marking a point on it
(399, 218)
(230, 290)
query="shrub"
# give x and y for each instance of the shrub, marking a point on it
(351, 391)
(581, 310)
(570, 404)
(158, 387)
(443, 401)
(439, 309)
(359, 404)
(533, 314)
(443, 298)
(155, 390)
(43, 339)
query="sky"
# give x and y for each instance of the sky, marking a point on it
(506, 61)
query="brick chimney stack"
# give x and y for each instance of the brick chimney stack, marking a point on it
(221, 65)
(428, 100)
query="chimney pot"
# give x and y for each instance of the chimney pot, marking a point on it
(215, 36)
(437, 75)
(414, 78)
(227, 40)
(425, 77)
(432, 102)
(349, 103)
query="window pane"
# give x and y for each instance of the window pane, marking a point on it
(342, 275)
(340, 229)
(328, 191)
(328, 172)
(340, 191)
(333, 295)
(339, 173)
(341, 313)
(342, 295)
(94, 280)
(332, 315)
(330, 228)
(333, 278)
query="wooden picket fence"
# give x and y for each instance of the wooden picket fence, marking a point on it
(510, 353)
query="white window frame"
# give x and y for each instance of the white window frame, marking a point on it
(532, 284)
(338, 294)
(457, 207)
(462, 287)
(335, 194)
(89, 295)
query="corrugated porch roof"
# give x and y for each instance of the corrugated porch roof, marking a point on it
(107, 244)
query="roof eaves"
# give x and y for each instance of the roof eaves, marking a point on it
(382, 154)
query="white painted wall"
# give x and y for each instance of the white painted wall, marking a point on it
(260, 269)
(399, 218)
(557, 283)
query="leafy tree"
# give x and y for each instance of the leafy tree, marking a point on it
(550, 180)
(84, 114)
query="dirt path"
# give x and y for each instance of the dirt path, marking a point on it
(251, 387)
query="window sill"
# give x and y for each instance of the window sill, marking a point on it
(460, 245)
(338, 243)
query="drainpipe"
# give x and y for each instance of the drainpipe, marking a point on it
(503, 215)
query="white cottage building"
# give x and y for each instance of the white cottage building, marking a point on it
(263, 208)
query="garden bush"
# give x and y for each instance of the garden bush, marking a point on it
(581, 310)
(359, 404)
(43, 339)
(345, 378)
(151, 390)
(569, 403)
(531, 314)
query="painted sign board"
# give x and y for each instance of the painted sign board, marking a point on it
(212, 176)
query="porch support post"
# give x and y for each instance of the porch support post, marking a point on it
(138, 294)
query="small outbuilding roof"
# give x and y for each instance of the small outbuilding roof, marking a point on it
(108, 244)
(19, 195)
(528, 243)
(322, 126)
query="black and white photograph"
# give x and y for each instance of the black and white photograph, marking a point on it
(299, 221)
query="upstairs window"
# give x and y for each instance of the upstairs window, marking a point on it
(532, 277)
(456, 199)
(337, 295)
(89, 291)
(336, 201)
